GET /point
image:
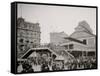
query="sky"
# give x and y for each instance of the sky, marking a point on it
(57, 18)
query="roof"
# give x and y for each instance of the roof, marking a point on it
(73, 39)
(30, 51)
(81, 34)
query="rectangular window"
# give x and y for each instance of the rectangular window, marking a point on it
(84, 41)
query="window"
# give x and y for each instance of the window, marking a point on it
(84, 41)
(71, 46)
(27, 41)
(25, 25)
(66, 46)
(31, 42)
(21, 47)
(21, 40)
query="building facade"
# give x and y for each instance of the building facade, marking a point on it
(82, 42)
(28, 36)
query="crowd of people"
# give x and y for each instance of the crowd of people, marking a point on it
(41, 65)
(82, 63)
(37, 65)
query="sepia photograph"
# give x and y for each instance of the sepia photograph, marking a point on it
(55, 38)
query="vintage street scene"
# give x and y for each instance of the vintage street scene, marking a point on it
(54, 38)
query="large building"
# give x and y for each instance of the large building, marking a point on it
(28, 36)
(82, 42)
